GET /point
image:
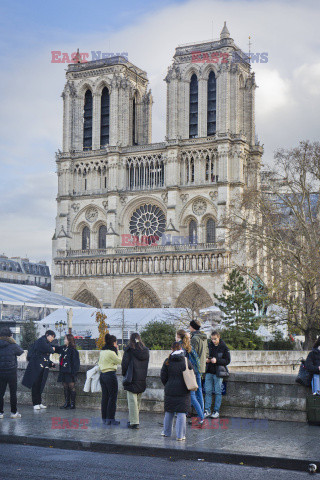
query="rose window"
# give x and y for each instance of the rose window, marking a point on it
(148, 220)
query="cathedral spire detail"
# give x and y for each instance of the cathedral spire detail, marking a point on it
(224, 32)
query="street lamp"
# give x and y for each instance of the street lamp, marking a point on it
(60, 326)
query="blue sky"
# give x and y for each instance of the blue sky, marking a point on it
(287, 100)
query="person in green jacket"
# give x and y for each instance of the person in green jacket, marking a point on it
(109, 359)
(199, 342)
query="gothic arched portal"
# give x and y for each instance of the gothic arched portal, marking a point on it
(138, 294)
(85, 296)
(194, 297)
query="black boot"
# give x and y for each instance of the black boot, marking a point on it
(73, 400)
(66, 397)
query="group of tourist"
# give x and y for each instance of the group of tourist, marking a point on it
(191, 349)
(37, 370)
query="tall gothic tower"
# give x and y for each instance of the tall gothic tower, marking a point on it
(140, 224)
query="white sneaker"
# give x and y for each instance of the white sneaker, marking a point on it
(1, 415)
(181, 439)
(42, 406)
(215, 415)
(206, 414)
(15, 415)
(36, 407)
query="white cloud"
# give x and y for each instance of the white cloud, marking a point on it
(308, 78)
(274, 93)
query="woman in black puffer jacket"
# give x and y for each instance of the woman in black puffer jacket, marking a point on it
(177, 397)
(313, 365)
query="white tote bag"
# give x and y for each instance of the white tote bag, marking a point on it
(190, 378)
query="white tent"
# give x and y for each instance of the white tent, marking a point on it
(22, 295)
(122, 322)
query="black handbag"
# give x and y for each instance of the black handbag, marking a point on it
(127, 379)
(304, 377)
(222, 371)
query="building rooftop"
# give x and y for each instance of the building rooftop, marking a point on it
(105, 62)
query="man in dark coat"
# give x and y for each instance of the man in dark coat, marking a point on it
(136, 359)
(37, 371)
(9, 351)
(219, 355)
(313, 366)
(199, 343)
(177, 398)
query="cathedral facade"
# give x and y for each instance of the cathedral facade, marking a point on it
(140, 224)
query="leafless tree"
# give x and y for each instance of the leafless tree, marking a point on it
(277, 225)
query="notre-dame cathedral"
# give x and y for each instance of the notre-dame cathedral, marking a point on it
(139, 224)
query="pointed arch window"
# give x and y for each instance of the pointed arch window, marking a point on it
(211, 176)
(212, 104)
(134, 121)
(87, 121)
(102, 236)
(211, 231)
(85, 238)
(193, 107)
(190, 170)
(193, 232)
(105, 117)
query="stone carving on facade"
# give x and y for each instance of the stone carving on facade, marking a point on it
(111, 230)
(124, 83)
(199, 206)
(91, 214)
(173, 73)
(170, 227)
(147, 98)
(213, 195)
(69, 89)
(184, 197)
(75, 207)
(123, 199)
(105, 204)
(115, 82)
(164, 197)
(62, 233)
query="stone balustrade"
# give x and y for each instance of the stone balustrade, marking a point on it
(140, 260)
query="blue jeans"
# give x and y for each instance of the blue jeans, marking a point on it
(315, 383)
(213, 384)
(181, 424)
(198, 394)
(196, 405)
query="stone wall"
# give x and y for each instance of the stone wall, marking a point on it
(249, 395)
(241, 360)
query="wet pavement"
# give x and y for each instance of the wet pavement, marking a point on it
(230, 440)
